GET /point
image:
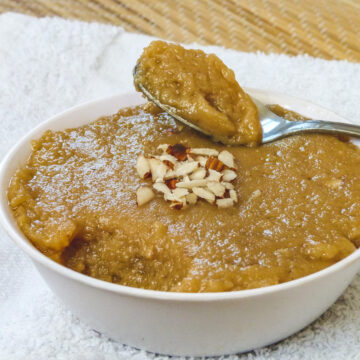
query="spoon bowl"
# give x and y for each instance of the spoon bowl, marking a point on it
(274, 127)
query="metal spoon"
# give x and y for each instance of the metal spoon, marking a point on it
(273, 126)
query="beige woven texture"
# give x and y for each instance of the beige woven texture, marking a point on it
(329, 29)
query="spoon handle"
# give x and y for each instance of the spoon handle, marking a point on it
(320, 126)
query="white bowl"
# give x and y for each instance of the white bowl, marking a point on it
(180, 323)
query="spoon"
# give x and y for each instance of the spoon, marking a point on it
(274, 127)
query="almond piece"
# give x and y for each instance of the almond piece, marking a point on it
(198, 174)
(179, 151)
(233, 196)
(214, 163)
(191, 198)
(158, 169)
(170, 174)
(227, 158)
(229, 175)
(180, 192)
(224, 203)
(191, 184)
(204, 151)
(143, 195)
(202, 160)
(143, 167)
(168, 157)
(214, 175)
(216, 188)
(186, 167)
(227, 185)
(161, 187)
(204, 194)
(171, 183)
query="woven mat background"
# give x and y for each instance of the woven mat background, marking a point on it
(329, 29)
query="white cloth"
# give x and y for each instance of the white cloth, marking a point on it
(50, 64)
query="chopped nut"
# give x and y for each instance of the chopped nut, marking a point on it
(227, 185)
(227, 158)
(183, 175)
(161, 187)
(171, 183)
(170, 174)
(224, 203)
(216, 188)
(229, 175)
(202, 160)
(143, 195)
(180, 192)
(214, 175)
(191, 198)
(186, 168)
(198, 174)
(168, 158)
(204, 151)
(191, 184)
(233, 195)
(158, 169)
(214, 163)
(179, 151)
(143, 167)
(205, 194)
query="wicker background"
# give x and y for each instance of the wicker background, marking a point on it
(328, 29)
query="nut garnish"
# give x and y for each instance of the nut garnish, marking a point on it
(185, 175)
(143, 195)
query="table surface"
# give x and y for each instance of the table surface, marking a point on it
(327, 29)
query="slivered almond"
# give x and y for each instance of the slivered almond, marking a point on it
(168, 157)
(214, 163)
(161, 187)
(214, 175)
(191, 184)
(143, 167)
(191, 198)
(204, 194)
(233, 196)
(224, 203)
(202, 160)
(227, 185)
(198, 174)
(229, 175)
(179, 151)
(143, 195)
(180, 192)
(170, 174)
(185, 168)
(171, 183)
(158, 169)
(169, 164)
(227, 158)
(204, 151)
(216, 188)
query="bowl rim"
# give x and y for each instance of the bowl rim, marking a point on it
(16, 235)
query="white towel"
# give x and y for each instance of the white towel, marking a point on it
(50, 64)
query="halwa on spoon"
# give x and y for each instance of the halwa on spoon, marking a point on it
(200, 91)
